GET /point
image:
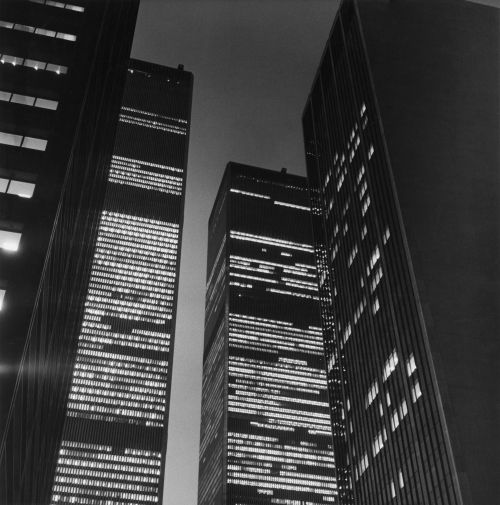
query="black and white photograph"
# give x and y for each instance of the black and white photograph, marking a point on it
(249, 252)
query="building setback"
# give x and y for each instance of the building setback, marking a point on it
(401, 135)
(62, 73)
(265, 422)
(117, 409)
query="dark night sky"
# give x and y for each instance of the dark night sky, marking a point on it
(253, 63)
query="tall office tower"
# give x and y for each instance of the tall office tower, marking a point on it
(265, 422)
(401, 132)
(62, 73)
(115, 433)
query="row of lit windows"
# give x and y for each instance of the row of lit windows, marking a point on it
(37, 31)
(123, 173)
(138, 164)
(117, 404)
(261, 239)
(19, 188)
(41, 103)
(60, 5)
(277, 483)
(280, 326)
(123, 360)
(292, 205)
(154, 114)
(11, 139)
(155, 125)
(269, 345)
(267, 197)
(255, 368)
(270, 411)
(74, 469)
(248, 193)
(125, 371)
(150, 397)
(34, 64)
(153, 224)
(137, 457)
(263, 385)
(86, 408)
(76, 492)
(150, 387)
(103, 337)
(245, 331)
(120, 383)
(287, 454)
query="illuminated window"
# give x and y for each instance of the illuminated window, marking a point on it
(13, 60)
(390, 365)
(2, 296)
(401, 480)
(19, 141)
(60, 5)
(28, 100)
(24, 28)
(10, 139)
(34, 143)
(46, 104)
(47, 33)
(411, 366)
(37, 65)
(372, 394)
(58, 69)
(9, 240)
(23, 99)
(38, 31)
(20, 188)
(66, 36)
(34, 64)
(416, 392)
(394, 420)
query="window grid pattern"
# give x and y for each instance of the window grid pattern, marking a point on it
(395, 433)
(37, 31)
(121, 376)
(262, 282)
(34, 64)
(91, 472)
(60, 5)
(132, 279)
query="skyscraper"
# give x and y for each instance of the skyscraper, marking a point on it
(62, 72)
(265, 422)
(115, 432)
(401, 133)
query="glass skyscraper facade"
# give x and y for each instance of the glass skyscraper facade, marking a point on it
(265, 423)
(62, 73)
(397, 224)
(114, 439)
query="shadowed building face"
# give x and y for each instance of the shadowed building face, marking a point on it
(401, 132)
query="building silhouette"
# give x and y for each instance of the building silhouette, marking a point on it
(62, 73)
(265, 422)
(115, 433)
(401, 136)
